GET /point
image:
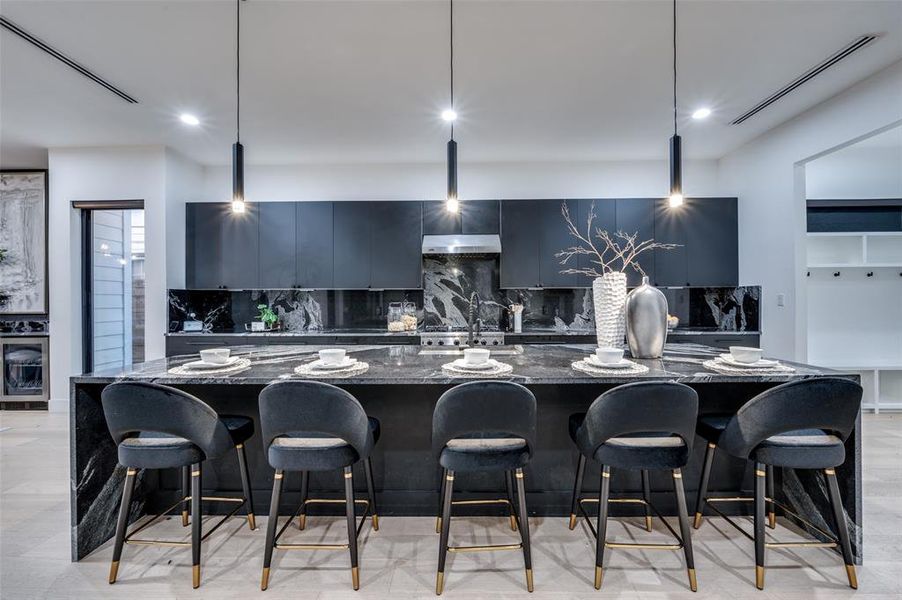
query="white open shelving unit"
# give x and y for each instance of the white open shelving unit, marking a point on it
(855, 310)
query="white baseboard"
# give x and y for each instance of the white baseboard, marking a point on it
(58, 405)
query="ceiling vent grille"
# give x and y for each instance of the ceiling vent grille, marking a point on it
(848, 50)
(9, 25)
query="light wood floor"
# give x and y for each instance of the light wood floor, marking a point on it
(398, 562)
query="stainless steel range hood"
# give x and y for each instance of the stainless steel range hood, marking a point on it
(462, 244)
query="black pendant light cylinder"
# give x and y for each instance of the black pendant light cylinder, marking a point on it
(237, 171)
(452, 169)
(676, 165)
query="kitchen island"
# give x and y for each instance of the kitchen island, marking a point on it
(400, 388)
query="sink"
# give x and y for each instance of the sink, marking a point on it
(457, 351)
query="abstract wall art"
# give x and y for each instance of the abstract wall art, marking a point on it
(23, 242)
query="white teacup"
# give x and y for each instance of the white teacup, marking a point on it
(332, 356)
(215, 356)
(746, 355)
(609, 356)
(476, 356)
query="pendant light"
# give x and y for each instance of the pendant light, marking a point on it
(238, 202)
(452, 204)
(676, 159)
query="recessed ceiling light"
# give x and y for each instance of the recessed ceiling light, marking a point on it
(449, 115)
(189, 119)
(701, 113)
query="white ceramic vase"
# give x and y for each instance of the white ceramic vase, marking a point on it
(609, 298)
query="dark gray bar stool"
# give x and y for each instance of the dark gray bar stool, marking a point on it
(638, 426)
(313, 426)
(484, 426)
(159, 427)
(797, 425)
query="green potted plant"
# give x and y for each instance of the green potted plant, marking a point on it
(269, 318)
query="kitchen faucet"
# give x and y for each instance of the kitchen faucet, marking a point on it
(473, 312)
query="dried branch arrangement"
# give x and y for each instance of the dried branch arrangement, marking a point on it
(617, 253)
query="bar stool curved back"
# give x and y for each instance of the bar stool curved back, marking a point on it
(160, 427)
(642, 426)
(484, 426)
(798, 425)
(315, 426)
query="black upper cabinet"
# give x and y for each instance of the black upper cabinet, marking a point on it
(351, 258)
(707, 231)
(438, 221)
(605, 218)
(671, 227)
(554, 237)
(474, 217)
(203, 244)
(278, 242)
(315, 244)
(241, 248)
(637, 216)
(480, 216)
(713, 250)
(521, 221)
(396, 238)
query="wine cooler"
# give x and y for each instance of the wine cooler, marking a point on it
(24, 363)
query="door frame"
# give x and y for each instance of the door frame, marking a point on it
(87, 266)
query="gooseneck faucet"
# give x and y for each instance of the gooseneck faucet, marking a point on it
(471, 316)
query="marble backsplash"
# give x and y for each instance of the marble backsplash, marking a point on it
(448, 282)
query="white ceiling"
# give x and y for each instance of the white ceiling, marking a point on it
(364, 81)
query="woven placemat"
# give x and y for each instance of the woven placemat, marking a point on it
(498, 369)
(238, 365)
(310, 372)
(721, 367)
(584, 367)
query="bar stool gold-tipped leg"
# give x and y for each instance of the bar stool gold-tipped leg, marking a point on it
(184, 518)
(355, 578)
(648, 523)
(264, 581)
(302, 521)
(599, 575)
(439, 583)
(698, 520)
(114, 571)
(251, 521)
(513, 523)
(693, 584)
(438, 524)
(529, 580)
(195, 576)
(853, 578)
(772, 520)
(572, 521)
(759, 577)
(375, 522)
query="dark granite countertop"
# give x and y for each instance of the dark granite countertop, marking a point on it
(400, 365)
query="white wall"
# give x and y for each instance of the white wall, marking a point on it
(860, 171)
(419, 181)
(114, 173)
(184, 183)
(767, 175)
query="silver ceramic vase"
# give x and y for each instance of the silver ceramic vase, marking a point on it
(646, 321)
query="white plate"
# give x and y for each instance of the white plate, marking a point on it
(593, 361)
(764, 363)
(347, 362)
(201, 365)
(461, 363)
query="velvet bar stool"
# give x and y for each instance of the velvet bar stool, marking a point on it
(484, 426)
(159, 427)
(797, 425)
(638, 426)
(314, 426)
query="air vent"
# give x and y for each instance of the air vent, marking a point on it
(848, 50)
(9, 25)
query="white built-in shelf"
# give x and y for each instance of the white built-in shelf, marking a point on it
(855, 249)
(882, 383)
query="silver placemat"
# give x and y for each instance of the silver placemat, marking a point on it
(310, 372)
(584, 367)
(238, 365)
(724, 368)
(498, 369)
